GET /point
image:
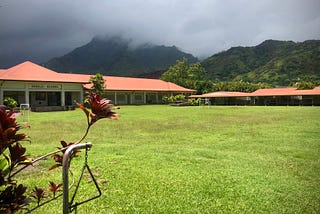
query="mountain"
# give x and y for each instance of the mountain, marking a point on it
(117, 56)
(278, 63)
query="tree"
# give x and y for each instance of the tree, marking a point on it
(303, 85)
(98, 84)
(177, 73)
(240, 86)
(186, 75)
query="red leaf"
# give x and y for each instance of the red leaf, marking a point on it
(54, 166)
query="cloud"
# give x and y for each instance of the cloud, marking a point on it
(39, 30)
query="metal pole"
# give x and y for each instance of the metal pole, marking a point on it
(65, 169)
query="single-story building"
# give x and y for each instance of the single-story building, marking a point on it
(128, 90)
(43, 89)
(269, 96)
(225, 98)
(286, 96)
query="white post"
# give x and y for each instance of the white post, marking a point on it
(81, 95)
(65, 170)
(131, 98)
(63, 98)
(157, 97)
(1, 96)
(27, 97)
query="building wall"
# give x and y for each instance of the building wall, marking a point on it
(49, 94)
(137, 97)
(41, 93)
(305, 100)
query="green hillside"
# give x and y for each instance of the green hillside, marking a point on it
(278, 63)
(117, 56)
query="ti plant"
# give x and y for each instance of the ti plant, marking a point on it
(13, 196)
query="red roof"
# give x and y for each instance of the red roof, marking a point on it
(273, 92)
(222, 94)
(29, 71)
(315, 91)
(284, 92)
(140, 84)
(262, 93)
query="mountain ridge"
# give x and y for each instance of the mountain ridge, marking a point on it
(273, 61)
(117, 56)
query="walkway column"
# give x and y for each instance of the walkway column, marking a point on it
(1, 96)
(115, 98)
(131, 98)
(27, 97)
(81, 95)
(63, 98)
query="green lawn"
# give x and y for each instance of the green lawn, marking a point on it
(163, 159)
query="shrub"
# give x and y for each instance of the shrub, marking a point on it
(10, 102)
(194, 102)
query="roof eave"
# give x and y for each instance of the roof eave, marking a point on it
(34, 80)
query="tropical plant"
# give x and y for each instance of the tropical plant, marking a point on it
(174, 98)
(194, 102)
(10, 102)
(13, 196)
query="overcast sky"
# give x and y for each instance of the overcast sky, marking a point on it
(38, 30)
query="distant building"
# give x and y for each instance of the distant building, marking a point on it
(45, 90)
(269, 96)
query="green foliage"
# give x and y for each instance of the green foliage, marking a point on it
(240, 86)
(302, 85)
(10, 102)
(175, 98)
(194, 102)
(187, 75)
(274, 62)
(204, 86)
(98, 84)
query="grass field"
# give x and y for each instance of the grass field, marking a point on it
(163, 159)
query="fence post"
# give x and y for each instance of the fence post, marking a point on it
(65, 169)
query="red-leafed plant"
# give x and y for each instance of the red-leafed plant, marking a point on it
(13, 196)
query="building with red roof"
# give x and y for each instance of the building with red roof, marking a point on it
(40, 88)
(286, 96)
(43, 89)
(268, 96)
(127, 90)
(225, 98)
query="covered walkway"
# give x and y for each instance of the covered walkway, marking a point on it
(269, 97)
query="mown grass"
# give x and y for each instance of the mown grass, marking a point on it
(163, 159)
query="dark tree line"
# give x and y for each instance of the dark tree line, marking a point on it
(193, 76)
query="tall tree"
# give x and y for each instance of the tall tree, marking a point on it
(98, 83)
(187, 75)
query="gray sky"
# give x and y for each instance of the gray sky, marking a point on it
(38, 30)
